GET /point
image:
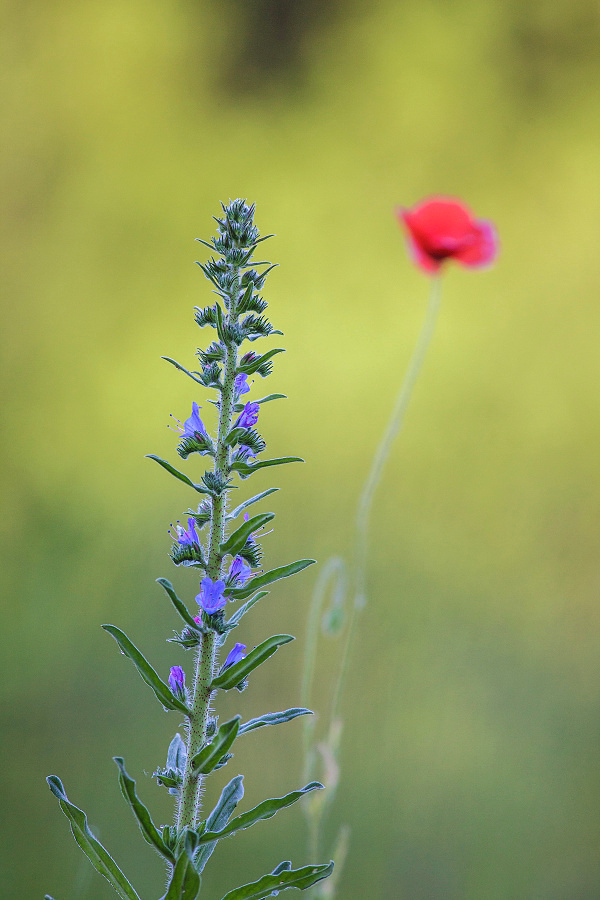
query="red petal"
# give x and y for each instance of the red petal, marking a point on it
(440, 217)
(483, 250)
(429, 264)
(441, 228)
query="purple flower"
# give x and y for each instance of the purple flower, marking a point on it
(239, 571)
(234, 656)
(248, 416)
(187, 537)
(240, 385)
(245, 453)
(194, 425)
(177, 681)
(211, 597)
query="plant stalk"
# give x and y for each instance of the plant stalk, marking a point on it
(191, 791)
(365, 503)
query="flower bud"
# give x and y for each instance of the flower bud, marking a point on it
(177, 681)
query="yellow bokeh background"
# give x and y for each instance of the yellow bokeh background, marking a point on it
(469, 764)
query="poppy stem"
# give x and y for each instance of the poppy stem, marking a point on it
(382, 453)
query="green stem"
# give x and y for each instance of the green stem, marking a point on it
(189, 805)
(374, 477)
(191, 789)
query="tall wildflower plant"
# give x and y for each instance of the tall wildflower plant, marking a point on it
(223, 545)
(438, 229)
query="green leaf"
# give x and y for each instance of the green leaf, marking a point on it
(185, 881)
(239, 509)
(198, 443)
(285, 866)
(220, 330)
(162, 691)
(209, 275)
(193, 375)
(272, 397)
(231, 795)
(245, 469)
(240, 670)
(251, 367)
(234, 435)
(101, 860)
(176, 754)
(205, 316)
(173, 471)
(144, 820)
(206, 759)
(277, 718)
(238, 538)
(177, 603)
(269, 577)
(264, 810)
(239, 613)
(206, 244)
(279, 881)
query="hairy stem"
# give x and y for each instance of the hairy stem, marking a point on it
(191, 790)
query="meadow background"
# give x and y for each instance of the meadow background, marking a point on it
(470, 758)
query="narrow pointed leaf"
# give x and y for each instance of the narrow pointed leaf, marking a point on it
(269, 884)
(276, 718)
(239, 509)
(239, 613)
(144, 820)
(206, 244)
(176, 473)
(272, 397)
(238, 538)
(270, 577)
(177, 603)
(264, 810)
(231, 795)
(206, 759)
(240, 670)
(162, 691)
(185, 881)
(234, 435)
(193, 375)
(285, 866)
(244, 469)
(99, 857)
(220, 331)
(251, 367)
(209, 276)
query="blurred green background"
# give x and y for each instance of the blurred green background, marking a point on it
(470, 756)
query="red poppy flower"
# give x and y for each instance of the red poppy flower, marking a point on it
(442, 228)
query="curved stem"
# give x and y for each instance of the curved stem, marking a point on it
(374, 477)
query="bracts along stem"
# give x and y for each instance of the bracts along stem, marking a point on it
(188, 813)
